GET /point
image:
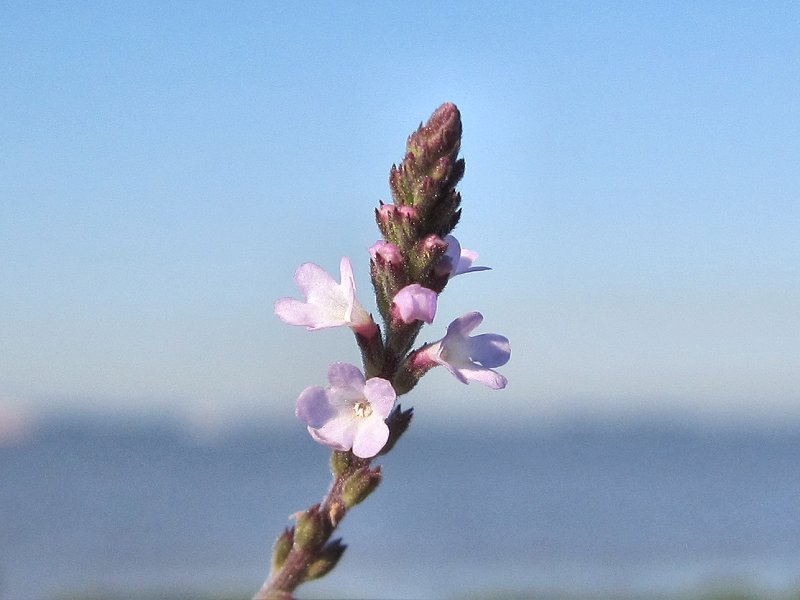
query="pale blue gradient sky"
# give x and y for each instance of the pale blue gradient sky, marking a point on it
(633, 176)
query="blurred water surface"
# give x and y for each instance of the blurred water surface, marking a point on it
(137, 510)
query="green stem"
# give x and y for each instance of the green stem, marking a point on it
(294, 571)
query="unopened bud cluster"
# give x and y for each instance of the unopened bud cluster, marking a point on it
(425, 210)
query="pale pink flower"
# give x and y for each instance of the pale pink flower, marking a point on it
(327, 303)
(467, 358)
(350, 413)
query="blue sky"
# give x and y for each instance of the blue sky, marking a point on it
(633, 176)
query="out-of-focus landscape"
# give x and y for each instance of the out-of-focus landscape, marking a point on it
(580, 511)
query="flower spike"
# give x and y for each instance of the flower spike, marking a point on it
(356, 415)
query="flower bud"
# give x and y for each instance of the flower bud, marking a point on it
(386, 280)
(414, 303)
(281, 548)
(426, 255)
(340, 461)
(385, 216)
(386, 254)
(402, 192)
(430, 170)
(359, 485)
(310, 531)
(432, 245)
(408, 213)
(441, 170)
(327, 560)
(388, 269)
(399, 224)
(439, 137)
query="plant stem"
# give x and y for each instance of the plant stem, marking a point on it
(284, 580)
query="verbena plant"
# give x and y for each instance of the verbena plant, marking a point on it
(357, 414)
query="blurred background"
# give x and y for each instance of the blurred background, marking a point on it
(632, 179)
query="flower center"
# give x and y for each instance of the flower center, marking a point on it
(362, 409)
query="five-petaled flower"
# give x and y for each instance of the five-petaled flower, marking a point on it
(467, 358)
(327, 303)
(350, 413)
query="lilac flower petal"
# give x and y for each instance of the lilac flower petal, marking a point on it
(487, 377)
(310, 277)
(458, 260)
(327, 303)
(474, 270)
(370, 437)
(331, 298)
(294, 312)
(348, 288)
(453, 252)
(464, 324)
(344, 397)
(341, 430)
(467, 257)
(454, 369)
(465, 370)
(465, 263)
(345, 375)
(333, 444)
(346, 275)
(469, 358)
(354, 313)
(338, 416)
(489, 349)
(381, 396)
(313, 407)
(415, 303)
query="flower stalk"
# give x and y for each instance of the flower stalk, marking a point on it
(357, 415)
(297, 561)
